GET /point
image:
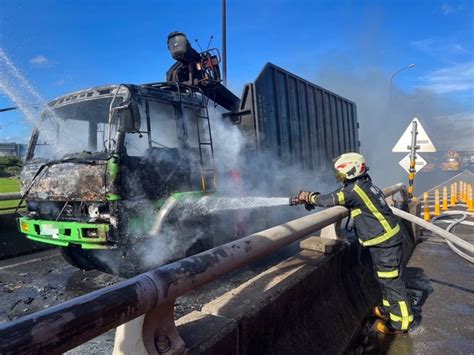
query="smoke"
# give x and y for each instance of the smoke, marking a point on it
(243, 171)
(252, 194)
(384, 117)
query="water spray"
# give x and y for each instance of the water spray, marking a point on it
(26, 98)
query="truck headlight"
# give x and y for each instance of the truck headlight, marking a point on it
(90, 233)
(24, 227)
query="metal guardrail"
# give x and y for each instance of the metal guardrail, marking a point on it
(67, 325)
(10, 196)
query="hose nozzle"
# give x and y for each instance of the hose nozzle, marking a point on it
(294, 201)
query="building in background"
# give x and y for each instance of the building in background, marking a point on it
(12, 149)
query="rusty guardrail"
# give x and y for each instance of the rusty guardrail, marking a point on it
(67, 325)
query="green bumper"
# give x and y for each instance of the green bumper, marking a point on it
(60, 233)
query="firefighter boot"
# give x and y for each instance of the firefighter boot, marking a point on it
(385, 328)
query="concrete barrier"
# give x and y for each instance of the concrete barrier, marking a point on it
(12, 242)
(310, 303)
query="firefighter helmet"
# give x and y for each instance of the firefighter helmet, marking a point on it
(349, 166)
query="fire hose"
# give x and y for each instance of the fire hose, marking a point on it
(451, 225)
(451, 239)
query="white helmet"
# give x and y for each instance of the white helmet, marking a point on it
(348, 166)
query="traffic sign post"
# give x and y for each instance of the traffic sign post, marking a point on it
(422, 140)
(413, 140)
(411, 174)
(420, 163)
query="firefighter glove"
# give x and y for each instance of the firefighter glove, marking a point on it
(308, 197)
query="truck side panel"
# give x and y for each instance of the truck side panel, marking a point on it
(299, 122)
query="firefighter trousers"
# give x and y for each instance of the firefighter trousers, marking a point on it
(388, 267)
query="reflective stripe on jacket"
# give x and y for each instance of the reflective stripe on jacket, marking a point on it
(374, 221)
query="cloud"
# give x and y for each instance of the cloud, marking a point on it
(39, 60)
(59, 82)
(440, 47)
(455, 78)
(446, 9)
(458, 73)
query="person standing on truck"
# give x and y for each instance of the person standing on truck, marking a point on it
(377, 229)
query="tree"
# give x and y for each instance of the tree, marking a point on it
(10, 166)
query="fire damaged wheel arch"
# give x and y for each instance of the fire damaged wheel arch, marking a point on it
(109, 261)
(77, 257)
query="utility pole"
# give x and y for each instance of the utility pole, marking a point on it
(224, 42)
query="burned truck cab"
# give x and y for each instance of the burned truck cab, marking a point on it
(102, 161)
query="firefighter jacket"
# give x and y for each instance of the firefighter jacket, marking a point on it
(374, 222)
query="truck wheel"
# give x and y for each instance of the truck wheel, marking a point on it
(129, 264)
(199, 246)
(77, 257)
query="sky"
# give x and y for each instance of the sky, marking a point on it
(64, 46)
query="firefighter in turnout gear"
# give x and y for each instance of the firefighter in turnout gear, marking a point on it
(377, 229)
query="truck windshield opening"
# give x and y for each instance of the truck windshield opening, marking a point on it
(75, 128)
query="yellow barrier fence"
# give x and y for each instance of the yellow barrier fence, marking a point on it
(426, 204)
(445, 198)
(437, 209)
(470, 200)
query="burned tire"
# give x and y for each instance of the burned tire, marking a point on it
(129, 264)
(78, 257)
(108, 261)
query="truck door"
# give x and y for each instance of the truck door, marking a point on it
(156, 163)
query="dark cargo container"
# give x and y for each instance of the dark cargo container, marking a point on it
(301, 123)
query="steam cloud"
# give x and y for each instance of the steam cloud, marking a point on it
(382, 121)
(245, 184)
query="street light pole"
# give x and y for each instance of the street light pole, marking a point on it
(224, 41)
(393, 76)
